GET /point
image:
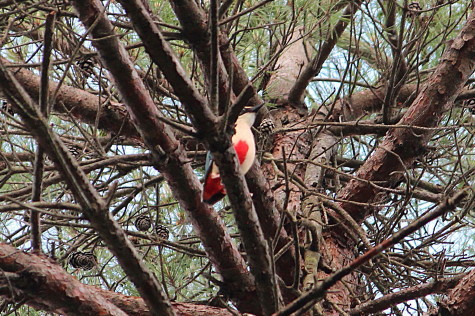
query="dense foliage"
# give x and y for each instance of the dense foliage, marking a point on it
(385, 53)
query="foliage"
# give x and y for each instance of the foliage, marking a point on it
(364, 59)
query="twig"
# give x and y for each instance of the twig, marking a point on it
(314, 67)
(35, 220)
(244, 12)
(235, 109)
(382, 303)
(318, 292)
(214, 56)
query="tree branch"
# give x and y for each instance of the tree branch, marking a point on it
(403, 145)
(317, 293)
(169, 156)
(313, 68)
(195, 29)
(420, 290)
(93, 205)
(35, 219)
(80, 104)
(45, 285)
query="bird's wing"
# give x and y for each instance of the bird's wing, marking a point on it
(208, 164)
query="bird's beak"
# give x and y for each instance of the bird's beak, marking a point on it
(256, 108)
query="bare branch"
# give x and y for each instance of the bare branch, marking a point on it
(318, 292)
(93, 205)
(382, 303)
(435, 97)
(313, 68)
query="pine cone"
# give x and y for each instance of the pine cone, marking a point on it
(470, 104)
(413, 8)
(74, 150)
(162, 232)
(87, 65)
(6, 107)
(143, 223)
(83, 260)
(267, 126)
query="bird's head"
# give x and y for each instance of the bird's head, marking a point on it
(248, 115)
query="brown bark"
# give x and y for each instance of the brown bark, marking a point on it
(269, 218)
(168, 153)
(79, 103)
(336, 247)
(304, 144)
(460, 301)
(289, 66)
(46, 286)
(400, 147)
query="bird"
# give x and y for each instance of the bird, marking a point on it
(245, 147)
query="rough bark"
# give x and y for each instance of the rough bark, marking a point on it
(441, 286)
(308, 299)
(460, 301)
(47, 286)
(80, 104)
(289, 66)
(93, 205)
(400, 147)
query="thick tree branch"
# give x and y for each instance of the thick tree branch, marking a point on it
(420, 290)
(296, 93)
(94, 207)
(404, 145)
(195, 29)
(161, 53)
(80, 104)
(269, 218)
(169, 155)
(45, 285)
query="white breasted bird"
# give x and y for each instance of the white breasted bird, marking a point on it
(245, 147)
